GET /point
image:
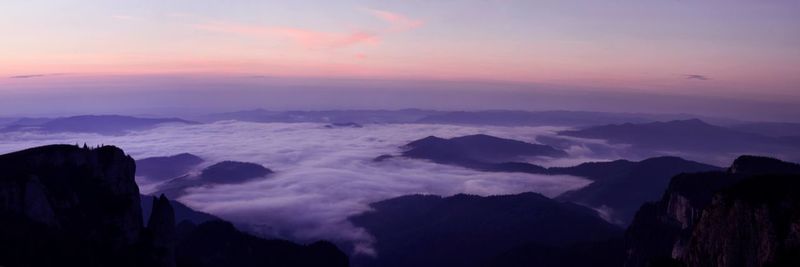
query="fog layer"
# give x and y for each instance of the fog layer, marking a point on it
(323, 175)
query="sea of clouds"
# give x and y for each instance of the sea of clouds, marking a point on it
(322, 175)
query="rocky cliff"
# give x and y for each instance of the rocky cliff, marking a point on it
(77, 206)
(693, 212)
(63, 205)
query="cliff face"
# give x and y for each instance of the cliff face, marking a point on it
(71, 202)
(63, 205)
(754, 223)
(691, 215)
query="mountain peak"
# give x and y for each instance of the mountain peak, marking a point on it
(748, 164)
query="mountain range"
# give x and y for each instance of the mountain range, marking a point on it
(745, 215)
(687, 136)
(618, 188)
(99, 124)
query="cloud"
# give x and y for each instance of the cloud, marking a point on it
(27, 76)
(396, 21)
(303, 37)
(697, 77)
(323, 175)
(309, 38)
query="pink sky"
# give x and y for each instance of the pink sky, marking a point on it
(741, 47)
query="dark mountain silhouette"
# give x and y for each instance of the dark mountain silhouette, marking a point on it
(621, 187)
(344, 125)
(62, 205)
(685, 136)
(163, 168)
(482, 117)
(465, 230)
(553, 118)
(232, 172)
(601, 253)
(219, 244)
(100, 124)
(720, 216)
(226, 172)
(532, 118)
(772, 129)
(182, 212)
(478, 151)
(68, 206)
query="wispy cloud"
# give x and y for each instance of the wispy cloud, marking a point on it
(697, 77)
(396, 21)
(38, 75)
(304, 37)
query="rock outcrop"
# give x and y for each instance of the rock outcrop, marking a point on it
(692, 208)
(62, 205)
(78, 206)
(754, 223)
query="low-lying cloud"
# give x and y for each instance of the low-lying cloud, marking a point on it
(322, 175)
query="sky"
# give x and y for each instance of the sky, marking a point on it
(738, 49)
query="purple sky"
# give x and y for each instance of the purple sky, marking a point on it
(140, 56)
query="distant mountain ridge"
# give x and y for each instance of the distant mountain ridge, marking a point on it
(100, 124)
(324, 116)
(685, 135)
(477, 117)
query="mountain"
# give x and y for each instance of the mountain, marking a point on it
(552, 118)
(531, 118)
(620, 187)
(753, 223)
(181, 211)
(99, 124)
(343, 125)
(232, 172)
(68, 206)
(466, 230)
(62, 205)
(325, 116)
(744, 216)
(476, 151)
(772, 129)
(226, 172)
(219, 244)
(163, 168)
(685, 136)
(599, 253)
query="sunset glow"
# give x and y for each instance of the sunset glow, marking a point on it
(745, 46)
